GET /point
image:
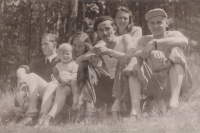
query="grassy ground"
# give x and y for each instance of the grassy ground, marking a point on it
(186, 119)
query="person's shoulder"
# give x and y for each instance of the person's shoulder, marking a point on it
(136, 28)
(73, 66)
(39, 60)
(73, 63)
(58, 64)
(56, 59)
(174, 34)
(146, 38)
(125, 36)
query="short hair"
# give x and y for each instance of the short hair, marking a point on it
(102, 19)
(83, 37)
(127, 10)
(51, 37)
(64, 46)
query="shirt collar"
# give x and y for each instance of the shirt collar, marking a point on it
(50, 58)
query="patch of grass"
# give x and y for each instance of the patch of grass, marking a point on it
(185, 119)
(7, 107)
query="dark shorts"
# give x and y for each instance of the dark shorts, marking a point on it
(102, 90)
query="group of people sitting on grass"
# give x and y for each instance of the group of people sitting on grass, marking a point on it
(118, 70)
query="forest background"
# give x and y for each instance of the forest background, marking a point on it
(23, 22)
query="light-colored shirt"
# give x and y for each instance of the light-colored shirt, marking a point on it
(70, 67)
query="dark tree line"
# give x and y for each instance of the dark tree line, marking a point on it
(23, 22)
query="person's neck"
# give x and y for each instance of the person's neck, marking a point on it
(52, 53)
(160, 36)
(121, 31)
(111, 44)
(67, 62)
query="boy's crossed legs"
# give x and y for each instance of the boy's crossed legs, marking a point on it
(35, 89)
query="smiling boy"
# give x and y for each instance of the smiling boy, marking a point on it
(164, 57)
(115, 52)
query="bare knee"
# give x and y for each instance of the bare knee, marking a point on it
(50, 91)
(51, 87)
(135, 85)
(177, 68)
(74, 81)
(74, 85)
(64, 90)
(32, 76)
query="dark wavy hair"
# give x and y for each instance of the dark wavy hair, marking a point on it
(83, 37)
(82, 69)
(127, 10)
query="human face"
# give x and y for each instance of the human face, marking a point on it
(65, 55)
(106, 31)
(47, 47)
(79, 47)
(122, 19)
(157, 25)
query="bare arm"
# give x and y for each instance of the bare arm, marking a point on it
(86, 56)
(173, 41)
(136, 34)
(74, 76)
(57, 75)
(128, 44)
(137, 54)
(174, 38)
(129, 48)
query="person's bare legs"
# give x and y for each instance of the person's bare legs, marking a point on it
(80, 100)
(36, 88)
(81, 111)
(48, 98)
(59, 102)
(176, 74)
(134, 68)
(91, 110)
(116, 105)
(129, 68)
(36, 85)
(75, 93)
(135, 92)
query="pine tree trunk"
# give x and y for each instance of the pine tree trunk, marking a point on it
(40, 28)
(71, 21)
(59, 19)
(29, 31)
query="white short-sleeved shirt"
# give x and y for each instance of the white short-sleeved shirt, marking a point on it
(70, 67)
